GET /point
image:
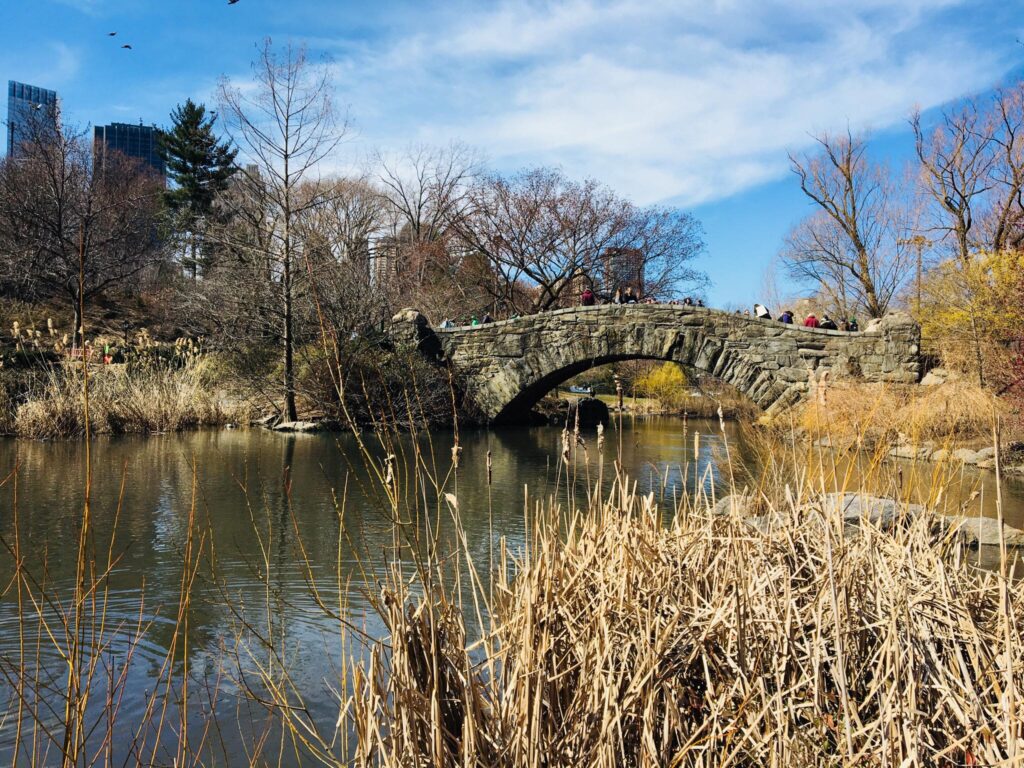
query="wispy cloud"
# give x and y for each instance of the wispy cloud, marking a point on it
(664, 99)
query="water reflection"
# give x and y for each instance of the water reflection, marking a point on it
(268, 513)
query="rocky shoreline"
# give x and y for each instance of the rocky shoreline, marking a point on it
(859, 508)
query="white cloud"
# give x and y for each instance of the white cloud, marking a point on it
(682, 99)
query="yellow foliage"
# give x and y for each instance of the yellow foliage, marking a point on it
(970, 311)
(667, 384)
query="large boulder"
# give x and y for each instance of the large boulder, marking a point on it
(856, 507)
(984, 531)
(591, 412)
(411, 329)
(298, 426)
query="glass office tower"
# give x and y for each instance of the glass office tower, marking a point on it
(138, 141)
(29, 110)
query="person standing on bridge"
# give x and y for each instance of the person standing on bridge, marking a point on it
(786, 317)
(761, 311)
(587, 298)
(828, 323)
(811, 321)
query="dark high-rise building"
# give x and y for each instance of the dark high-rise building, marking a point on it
(29, 110)
(138, 141)
(624, 268)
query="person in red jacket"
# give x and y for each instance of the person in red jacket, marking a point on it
(587, 299)
(811, 321)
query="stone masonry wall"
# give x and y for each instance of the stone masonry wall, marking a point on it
(508, 366)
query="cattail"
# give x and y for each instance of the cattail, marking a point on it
(600, 436)
(49, 326)
(456, 453)
(488, 467)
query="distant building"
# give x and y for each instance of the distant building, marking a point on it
(138, 141)
(624, 268)
(29, 108)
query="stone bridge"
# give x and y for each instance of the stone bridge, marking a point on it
(506, 367)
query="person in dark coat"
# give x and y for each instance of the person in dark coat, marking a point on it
(786, 317)
(828, 323)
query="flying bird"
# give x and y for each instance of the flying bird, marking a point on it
(232, 2)
(127, 46)
(111, 34)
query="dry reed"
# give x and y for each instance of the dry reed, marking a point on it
(159, 398)
(875, 414)
(701, 641)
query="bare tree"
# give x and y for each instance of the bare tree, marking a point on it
(956, 161)
(73, 228)
(1003, 225)
(285, 126)
(854, 247)
(544, 235)
(426, 191)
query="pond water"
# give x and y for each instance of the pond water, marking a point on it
(264, 514)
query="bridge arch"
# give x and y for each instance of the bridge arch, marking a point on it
(506, 367)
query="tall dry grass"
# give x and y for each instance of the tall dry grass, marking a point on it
(125, 399)
(878, 414)
(635, 640)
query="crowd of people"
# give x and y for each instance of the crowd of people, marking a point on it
(629, 295)
(850, 324)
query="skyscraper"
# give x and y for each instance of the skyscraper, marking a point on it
(29, 108)
(138, 141)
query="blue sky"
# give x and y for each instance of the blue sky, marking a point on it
(688, 102)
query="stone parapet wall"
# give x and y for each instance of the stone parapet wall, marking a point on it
(508, 366)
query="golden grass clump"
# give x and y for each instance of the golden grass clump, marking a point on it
(880, 413)
(704, 642)
(124, 399)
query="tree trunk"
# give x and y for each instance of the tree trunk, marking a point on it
(77, 340)
(291, 412)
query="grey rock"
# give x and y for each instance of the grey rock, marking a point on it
(984, 531)
(986, 464)
(910, 452)
(966, 455)
(735, 503)
(855, 507)
(298, 426)
(940, 455)
(986, 453)
(267, 421)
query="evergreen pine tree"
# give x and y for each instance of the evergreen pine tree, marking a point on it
(199, 167)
